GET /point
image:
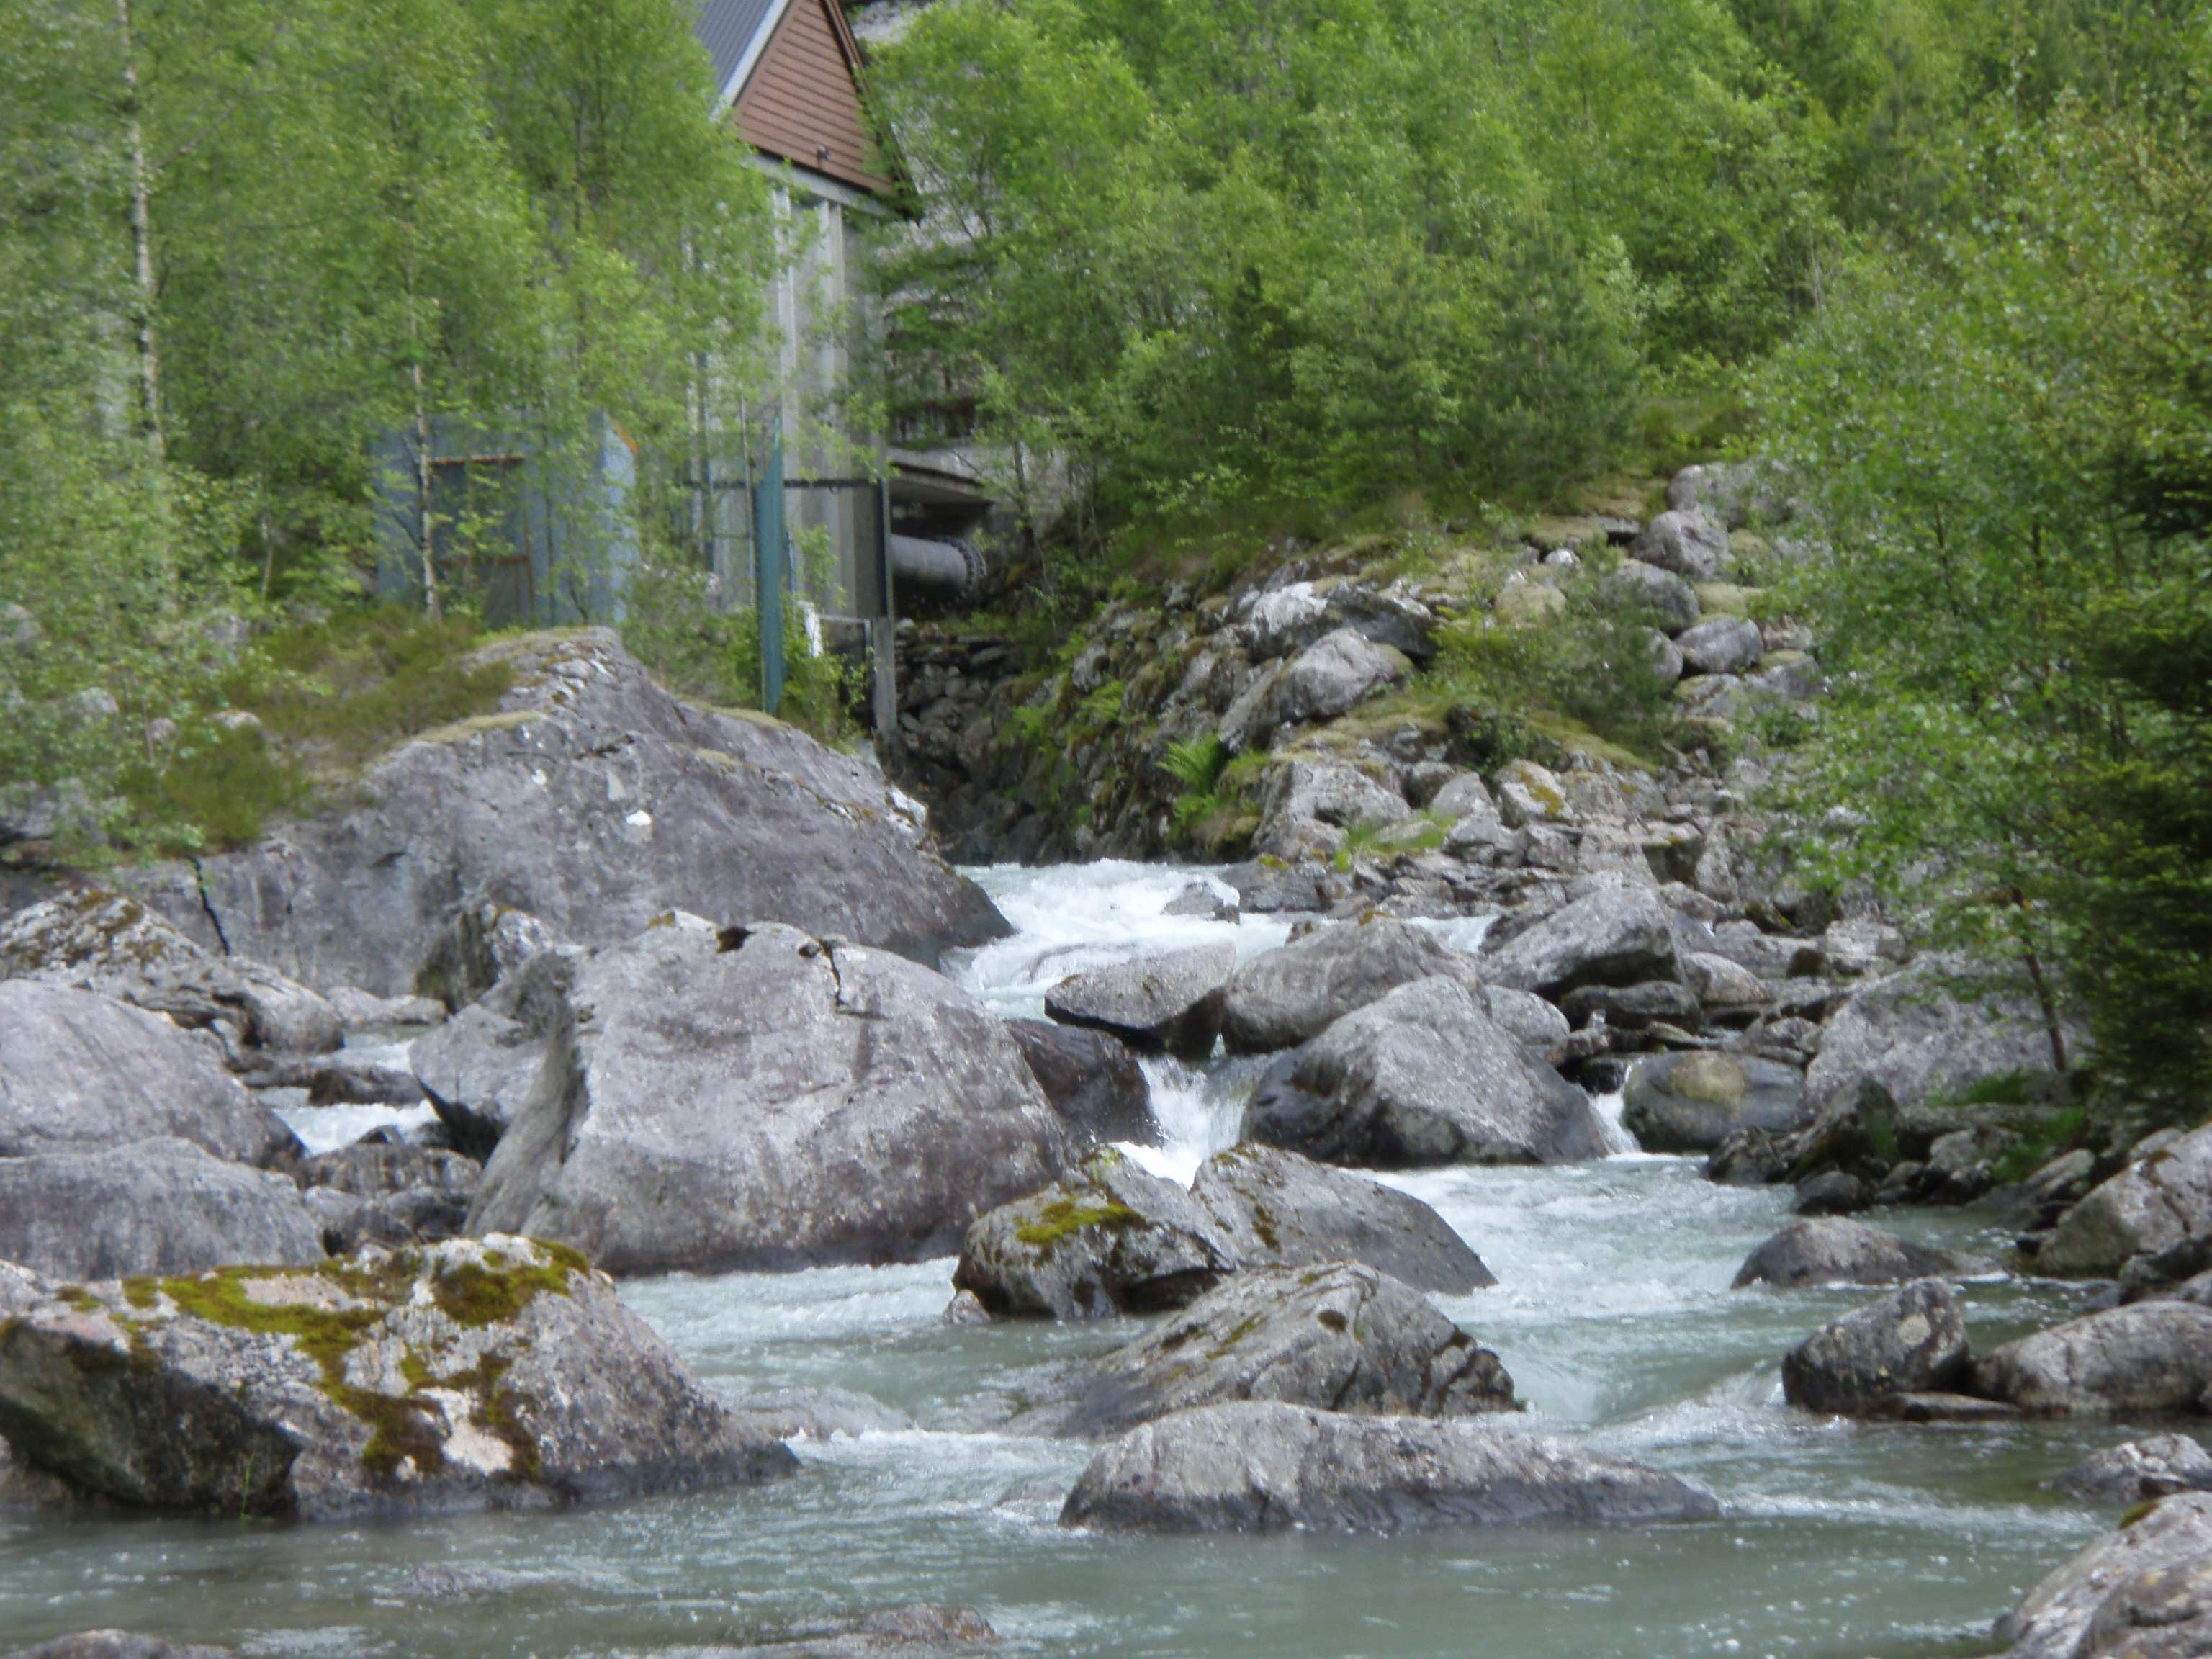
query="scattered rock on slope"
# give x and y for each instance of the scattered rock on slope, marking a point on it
(2153, 1206)
(759, 1099)
(110, 943)
(1618, 935)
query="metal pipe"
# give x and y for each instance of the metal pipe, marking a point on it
(951, 567)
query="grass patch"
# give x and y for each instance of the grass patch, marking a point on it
(326, 698)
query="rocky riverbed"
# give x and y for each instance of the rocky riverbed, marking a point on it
(1414, 1227)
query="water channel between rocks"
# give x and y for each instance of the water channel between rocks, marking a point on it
(1612, 1313)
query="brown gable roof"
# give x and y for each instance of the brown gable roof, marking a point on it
(802, 100)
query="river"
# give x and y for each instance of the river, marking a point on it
(1612, 1313)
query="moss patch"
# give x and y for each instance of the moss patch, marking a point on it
(1064, 1215)
(403, 1428)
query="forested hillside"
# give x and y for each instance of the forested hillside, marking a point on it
(1209, 273)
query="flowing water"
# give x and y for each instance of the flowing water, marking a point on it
(1612, 1313)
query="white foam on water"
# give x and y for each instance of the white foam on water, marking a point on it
(327, 1128)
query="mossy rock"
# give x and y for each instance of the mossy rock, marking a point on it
(499, 1372)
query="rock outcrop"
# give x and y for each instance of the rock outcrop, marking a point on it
(723, 1099)
(1917, 1036)
(2054, 1619)
(1281, 1210)
(1837, 1250)
(1693, 1102)
(1169, 1002)
(1338, 1336)
(1109, 1238)
(81, 1072)
(2163, 1201)
(1618, 935)
(2140, 1470)
(110, 943)
(1265, 1466)
(151, 1207)
(1092, 1079)
(594, 800)
(2149, 1358)
(1290, 995)
(1911, 1341)
(1422, 1077)
(499, 1373)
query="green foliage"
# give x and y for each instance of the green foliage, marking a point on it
(359, 215)
(714, 657)
(2012, 453)
(1196, 763)
(1210, 255)
(1582, 678)
(1102, 708)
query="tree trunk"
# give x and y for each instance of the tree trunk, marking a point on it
(141, 236)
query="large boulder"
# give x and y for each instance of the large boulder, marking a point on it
(1263, 1467)
(2155, 1204)
(1423, 1077)
(1913, 1340)
(477, 1069)
(1109, 1238)
(152, 1206)
(1693, 1102)
(81, 1072)
(1915, 1036)
(110, 943)
(2149, 1357)
(595, 800)
(2163, 1613)
(1332, 676)
(1092, 1079)
(1838, 1251)
(1337, 1335)
(1284, 997)
(1279, 1209)
(1618, 935)
(499, 1373)
(725, 1098)
(2053, 1620)
(2140, 1470)
(1170, 1001)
